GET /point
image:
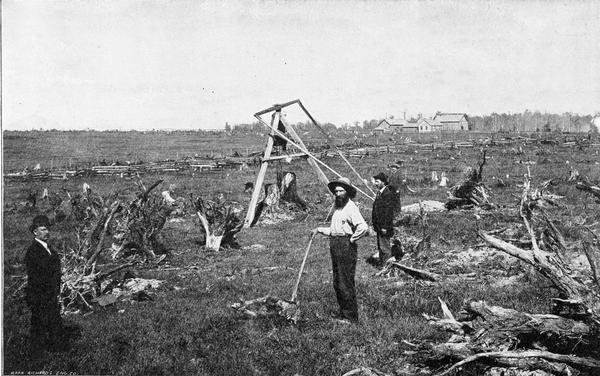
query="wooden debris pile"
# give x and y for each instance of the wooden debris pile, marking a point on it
(135, 231)
(470, 191)
(267, 306)
(490, 340)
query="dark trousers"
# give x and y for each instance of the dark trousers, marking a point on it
(46, 332)
(343, 261)
(384, 245)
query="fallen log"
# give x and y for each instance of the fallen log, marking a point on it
(592, 365)
(549, 262)
(413, 272)
(508, 328)
(520, 343)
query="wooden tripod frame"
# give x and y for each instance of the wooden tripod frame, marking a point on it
(276, 120)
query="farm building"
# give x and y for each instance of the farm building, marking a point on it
(390, 125)
(410, 127)
(428, 125)
(452, 121)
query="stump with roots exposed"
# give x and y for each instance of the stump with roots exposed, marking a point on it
(220, 223)
(470, 191)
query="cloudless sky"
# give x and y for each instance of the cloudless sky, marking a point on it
(144, 64)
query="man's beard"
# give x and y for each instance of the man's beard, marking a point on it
(341, 201)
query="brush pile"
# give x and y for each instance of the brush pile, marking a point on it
(491, 340)
(135, 231)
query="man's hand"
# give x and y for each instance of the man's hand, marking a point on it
(314, 232)
(383, 231)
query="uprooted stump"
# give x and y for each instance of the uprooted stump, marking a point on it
(134, 228)
(470, 191)
(138, 225)
(220, 223)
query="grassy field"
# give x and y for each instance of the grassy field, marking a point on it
(189, 327)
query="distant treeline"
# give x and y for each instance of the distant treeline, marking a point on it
(532, 122)
(523, 122)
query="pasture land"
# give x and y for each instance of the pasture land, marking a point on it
(189, 327)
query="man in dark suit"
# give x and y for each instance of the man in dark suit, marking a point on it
(383, 216)
(43, 287)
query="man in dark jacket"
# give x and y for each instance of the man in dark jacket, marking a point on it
(43, 287)
(383, 216)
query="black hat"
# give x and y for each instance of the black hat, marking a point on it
(39, 221)
(344, 183)
(381, 176)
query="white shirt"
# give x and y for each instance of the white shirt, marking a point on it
(45, 245)
(346, 221)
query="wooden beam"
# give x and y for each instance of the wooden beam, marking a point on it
(321, 175)
(329, 141)
(280, 157)
(276, 107)
(260, 178)
(356, 172)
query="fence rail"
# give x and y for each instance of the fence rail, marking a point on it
(356, 148)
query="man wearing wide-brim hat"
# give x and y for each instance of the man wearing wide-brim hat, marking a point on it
(346, 228)
(383, 216)
(43, 287)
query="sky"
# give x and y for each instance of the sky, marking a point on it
(178, 64)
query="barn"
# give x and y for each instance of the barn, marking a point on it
(452, 121)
